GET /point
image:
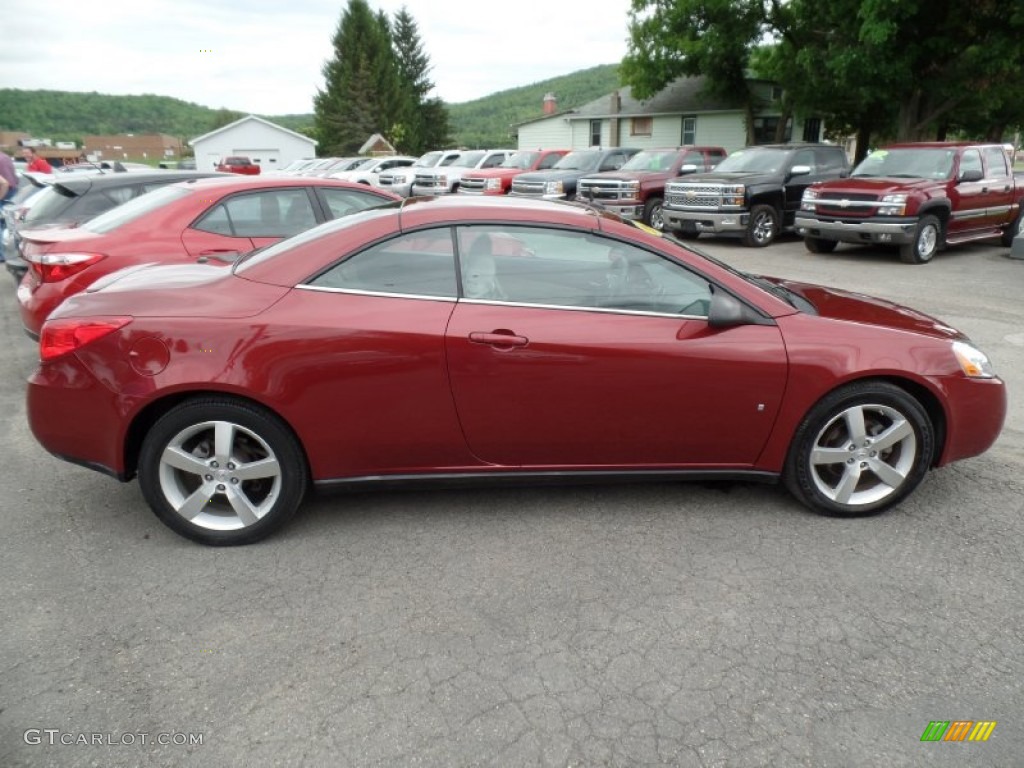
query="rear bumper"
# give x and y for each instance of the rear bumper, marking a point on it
(891, 232)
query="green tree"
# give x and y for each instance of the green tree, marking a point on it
(413, 132)
(361, 83)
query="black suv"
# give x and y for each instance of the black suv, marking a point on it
(754, 193)
(79, 197)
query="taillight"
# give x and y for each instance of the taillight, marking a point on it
(54, 267)
(59, 337)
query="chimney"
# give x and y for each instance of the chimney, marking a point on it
(550, 104)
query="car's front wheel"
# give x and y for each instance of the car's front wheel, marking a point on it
(820, 245)
(927, 241)
(860, 450)
(762, 227)
(222, 471)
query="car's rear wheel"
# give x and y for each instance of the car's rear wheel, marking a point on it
(820, 245)
(927, 240)
(860, 450)
(762, 226)
(222, 471)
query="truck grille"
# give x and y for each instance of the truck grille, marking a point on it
(423, 180)
(703, 196)
(473, 185)
(528, 187)
(597, 189)
(846, 205)
(385, 181)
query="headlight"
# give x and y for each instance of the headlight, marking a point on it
(553, 188)
(494, 184)
(973, 361)
(808, 200)
(441, 181)
(631, 189)
(734, 195)
(893, 205)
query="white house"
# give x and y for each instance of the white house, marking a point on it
(678, 114)
(263, 142)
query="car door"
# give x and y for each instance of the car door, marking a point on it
(970, 197)
(999, 209)
(589, 352)
(795, 184)
(379, 381)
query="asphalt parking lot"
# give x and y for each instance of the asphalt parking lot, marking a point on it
(624, 625)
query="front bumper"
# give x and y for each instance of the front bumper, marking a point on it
(705, 221)
(888, 232)
(631, 211)
(421, 191)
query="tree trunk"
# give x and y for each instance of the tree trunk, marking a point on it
(780, 129)
(863, 143)
(908, 125)
(749, 120)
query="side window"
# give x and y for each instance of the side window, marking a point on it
(830, 160)
(695, 158)
(271, 213)
(414, 264)
(613, 162)
(971, 161)
(549, 161)
(561, 268)
(995, 159)
(804, 157)
(342, 202)
(120, 195)
(494, 160)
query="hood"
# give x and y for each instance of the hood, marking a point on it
(173, 290)
(879, 185)
(635, 176)
(735, 177)
(567, 174)
(493, 173)
(853, 307)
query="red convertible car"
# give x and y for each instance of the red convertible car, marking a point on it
(216, 218)
(483, 339)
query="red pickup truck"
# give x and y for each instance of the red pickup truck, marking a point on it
(637, 190)
(920, 197)
(238, 164)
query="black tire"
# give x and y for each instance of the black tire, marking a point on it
(762, 226)
(689, 232)
(1013, 230)
(897, 447)
(653, 215)
(820, 245)
(250, 496)
(928, 238)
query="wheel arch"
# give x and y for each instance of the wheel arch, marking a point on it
(772, 197)
(152, 412)
(940, 210)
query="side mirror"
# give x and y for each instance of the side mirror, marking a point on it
(971, 174)
(687, 168)
(726, 311)
(799, 170)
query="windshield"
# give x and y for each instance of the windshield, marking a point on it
(470, 159)
(133, 209)
(757, 159)
(913, 163)
(586, 160)
(651, 160)
(429, 160)
(520, 160)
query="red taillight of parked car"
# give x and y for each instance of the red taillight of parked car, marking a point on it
(54, 267)
(59, 337)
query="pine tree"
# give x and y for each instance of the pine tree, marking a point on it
(421, 123)
(361, 83)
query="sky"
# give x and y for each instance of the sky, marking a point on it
(265, 56)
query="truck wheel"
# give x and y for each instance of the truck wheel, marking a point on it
(1013, 230)
(686, 234)
(762, 226)
(653, 216)
(927, 237)
(819, 245)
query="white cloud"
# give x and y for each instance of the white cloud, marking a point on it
(265, 56)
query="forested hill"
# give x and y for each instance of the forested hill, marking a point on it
(486, 122)
(68, 116)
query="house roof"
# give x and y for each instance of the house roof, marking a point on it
(684, 94)
(373, 142)
(247, 118)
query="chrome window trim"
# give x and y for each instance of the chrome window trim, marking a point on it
(386, 294)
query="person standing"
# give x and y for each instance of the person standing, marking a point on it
(36, 164)
(8, 178)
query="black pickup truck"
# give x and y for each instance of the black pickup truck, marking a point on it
(754, 193)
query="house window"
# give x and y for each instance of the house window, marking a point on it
(595, 133)
(812, 129)
(641, 126)
(689, 135)
(776, 93)
(765, 129)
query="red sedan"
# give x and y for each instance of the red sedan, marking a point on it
(485, 339)
(217, 218)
